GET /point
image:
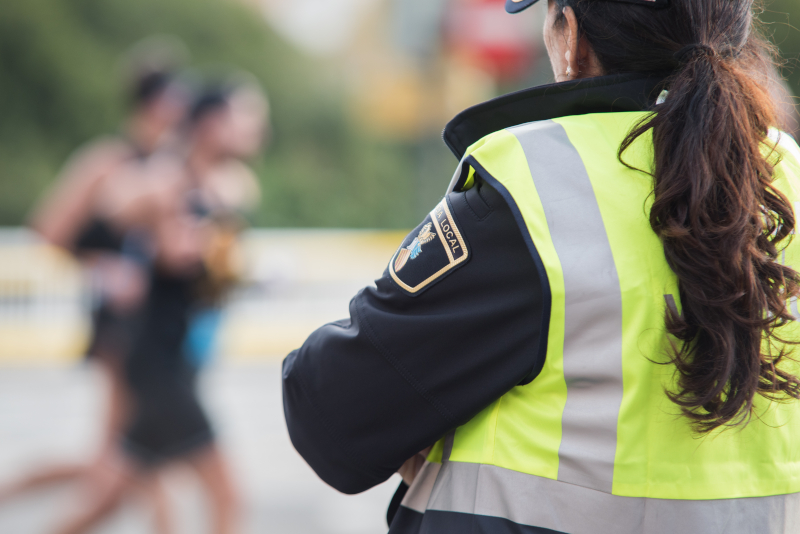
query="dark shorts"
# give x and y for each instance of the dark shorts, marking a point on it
(112, 334)
(167, 421)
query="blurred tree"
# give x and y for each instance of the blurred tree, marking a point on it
(782, 18)
(60, 85)
(52, 96)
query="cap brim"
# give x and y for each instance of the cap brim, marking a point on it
(515, 6)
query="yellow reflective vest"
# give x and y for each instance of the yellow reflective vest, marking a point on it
(593, 445)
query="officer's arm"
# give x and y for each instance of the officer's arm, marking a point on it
(440, 338)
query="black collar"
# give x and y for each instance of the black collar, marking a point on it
(619, 92)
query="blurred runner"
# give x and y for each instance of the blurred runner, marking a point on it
(70, 218)
(190, 203)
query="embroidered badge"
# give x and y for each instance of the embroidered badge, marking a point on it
(445, 248)
(415, 248)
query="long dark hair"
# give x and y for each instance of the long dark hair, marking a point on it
(722, 222)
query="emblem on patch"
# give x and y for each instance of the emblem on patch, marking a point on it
(413, 250)
(444, 249)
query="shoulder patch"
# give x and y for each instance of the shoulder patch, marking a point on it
(435, 248)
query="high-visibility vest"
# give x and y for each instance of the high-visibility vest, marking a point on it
(593, 445)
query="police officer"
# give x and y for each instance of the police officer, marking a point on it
(594, 327)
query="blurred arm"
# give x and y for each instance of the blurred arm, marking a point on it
(151, 197)
(69, 204)
(364, 395)
(235, 186)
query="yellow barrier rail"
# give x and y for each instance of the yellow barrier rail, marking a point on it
(296, 280)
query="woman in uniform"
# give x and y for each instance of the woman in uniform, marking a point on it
(596, 328)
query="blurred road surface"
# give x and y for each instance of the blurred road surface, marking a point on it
(50, 404)
(50, 412)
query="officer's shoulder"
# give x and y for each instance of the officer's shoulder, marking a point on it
(433, 250)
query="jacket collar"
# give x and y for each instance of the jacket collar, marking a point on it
(604, 94)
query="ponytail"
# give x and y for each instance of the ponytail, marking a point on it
(722, 222)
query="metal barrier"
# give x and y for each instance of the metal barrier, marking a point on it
(296, 280)
(44, 301)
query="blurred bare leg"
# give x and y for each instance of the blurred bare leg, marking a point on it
(46, 477)
(116, 401)
(213, 471)
(103, 496)
(116, 410)
(155, 498)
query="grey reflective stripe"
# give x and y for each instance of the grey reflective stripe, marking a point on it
(447, 449)
(419, 493)
(456, 177)
(541, 502)
(673, 307)
(792, 301)
(593, 305)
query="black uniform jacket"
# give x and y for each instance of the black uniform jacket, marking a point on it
(432, 345)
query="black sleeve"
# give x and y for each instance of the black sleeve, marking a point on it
(364, 394)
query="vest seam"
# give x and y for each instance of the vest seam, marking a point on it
(544, 280)
(494, 427)
(401, 369)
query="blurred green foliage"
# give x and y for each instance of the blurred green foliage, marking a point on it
(60, 87)
(782, 18)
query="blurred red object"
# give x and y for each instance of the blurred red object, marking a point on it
(504, 46)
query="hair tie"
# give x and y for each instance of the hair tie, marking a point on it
(692, 51)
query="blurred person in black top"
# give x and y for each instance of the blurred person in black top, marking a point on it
(70, 217)
(189, 202)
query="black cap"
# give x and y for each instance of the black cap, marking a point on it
(515, 6)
